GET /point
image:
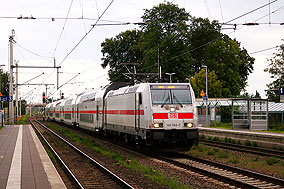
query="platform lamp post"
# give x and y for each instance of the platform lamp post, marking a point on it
(1, 99)
(170, 74)
(206, 96)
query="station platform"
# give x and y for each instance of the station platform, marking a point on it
(24, 162)
(263, 139)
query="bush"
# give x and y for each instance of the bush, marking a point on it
(234, 161)
(223, 155)
(216, 139)
(271, 160)
(202, 148)
(247, 143)
(202, 136)
(216, 150)
(254, 144)
(210, 153)
(276, 126)
(209, 138)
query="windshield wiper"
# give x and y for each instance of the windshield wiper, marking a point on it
(177, 100)
(165, 101)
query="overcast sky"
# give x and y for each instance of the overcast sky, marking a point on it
(40, 39)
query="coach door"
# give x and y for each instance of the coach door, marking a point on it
(99, 114)
(138, 102)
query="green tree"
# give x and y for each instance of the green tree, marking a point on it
(181, 44)
(4, 84)
(214, 85)
(124, 48)
(275, 68)
(220, 53)
(202, 33)
(166, 34)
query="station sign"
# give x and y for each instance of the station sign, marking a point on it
(281, 91)
(6, 98)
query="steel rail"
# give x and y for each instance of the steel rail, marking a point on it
(243, 148)
(267, 178)
(118, 179)
(204, 172)
(67, 170)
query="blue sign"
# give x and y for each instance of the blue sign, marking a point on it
(205, 98)
(281, 91)
(6, 98)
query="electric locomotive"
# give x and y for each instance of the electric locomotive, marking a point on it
(162, 116)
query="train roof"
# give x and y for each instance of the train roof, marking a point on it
(139, 88)
(88, 95)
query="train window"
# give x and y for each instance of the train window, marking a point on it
(89, 118)
(132, 90)
(161, 96)
(110, 94)
(171, 96)
(68, 102)
(181, 97)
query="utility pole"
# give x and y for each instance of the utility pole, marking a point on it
(20, 107)
(11, 110)
(57, 73)
(17, 90)
(159, 73)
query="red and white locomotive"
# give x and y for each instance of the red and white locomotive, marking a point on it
(159, 115)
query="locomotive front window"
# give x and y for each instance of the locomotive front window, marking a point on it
(181, 97)
(161, 96)
(171, 96)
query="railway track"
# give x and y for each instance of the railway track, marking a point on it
(85, 172)
(234, 176)
(243, 148)
(227, 174)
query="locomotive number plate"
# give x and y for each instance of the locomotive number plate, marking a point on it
(173, 116)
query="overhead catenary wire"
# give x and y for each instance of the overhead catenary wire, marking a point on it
(267, 49)
(251, 11)
(63, 28)
(92, 27)
(85, 35)
(32, 52)
(214, 39)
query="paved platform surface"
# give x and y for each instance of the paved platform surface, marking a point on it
(24, 162)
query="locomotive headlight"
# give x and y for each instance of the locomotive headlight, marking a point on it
(172, 109)
(156, 125)
(188, 125)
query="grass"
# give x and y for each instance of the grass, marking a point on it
(132, 164)
(271, 160)
(270, 165)
(247, 143)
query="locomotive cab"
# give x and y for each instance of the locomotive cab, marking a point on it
(173, 123)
